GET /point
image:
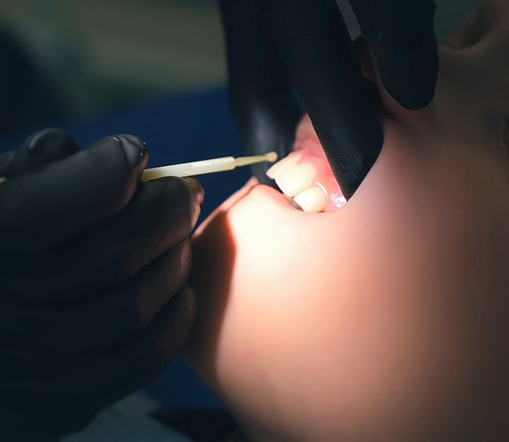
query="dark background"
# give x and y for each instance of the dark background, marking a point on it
(101, 54)
(98, 55)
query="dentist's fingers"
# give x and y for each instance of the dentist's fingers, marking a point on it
(111, 318)
(160, 216)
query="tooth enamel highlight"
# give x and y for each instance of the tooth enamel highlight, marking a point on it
(296, 179)
(339, 200)
(311, 200)
(282, 165)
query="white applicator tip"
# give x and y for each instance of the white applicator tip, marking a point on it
(271, 157)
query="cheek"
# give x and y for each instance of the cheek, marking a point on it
(309, 337)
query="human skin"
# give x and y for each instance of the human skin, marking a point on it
(387, 319)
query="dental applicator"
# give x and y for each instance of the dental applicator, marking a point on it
(205, 166)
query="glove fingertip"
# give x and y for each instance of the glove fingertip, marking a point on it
(136, 151)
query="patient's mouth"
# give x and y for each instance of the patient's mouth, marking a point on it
(305, 176)
(307, 180)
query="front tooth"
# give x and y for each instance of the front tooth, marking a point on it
(311, 200)
(283, 165)
(296, 179)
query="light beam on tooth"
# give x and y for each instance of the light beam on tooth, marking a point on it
(296, 179)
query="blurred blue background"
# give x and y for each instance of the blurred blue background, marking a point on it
(96, 55)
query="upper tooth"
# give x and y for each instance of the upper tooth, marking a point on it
(311, 200)
(296, 179)
(283, 165)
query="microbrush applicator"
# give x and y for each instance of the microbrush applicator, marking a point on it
(206, 166)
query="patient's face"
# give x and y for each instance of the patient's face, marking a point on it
(388, 318)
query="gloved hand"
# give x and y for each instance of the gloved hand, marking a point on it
(93, 267)
(275, 45)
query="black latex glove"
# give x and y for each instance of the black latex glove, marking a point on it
(93, 270)
(276, 45)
